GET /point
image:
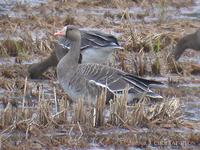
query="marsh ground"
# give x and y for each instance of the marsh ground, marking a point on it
(36, 114)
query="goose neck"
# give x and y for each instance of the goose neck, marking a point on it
(74, 51)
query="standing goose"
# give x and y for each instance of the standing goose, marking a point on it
(87, 80)
(96, 47)
(189, 41)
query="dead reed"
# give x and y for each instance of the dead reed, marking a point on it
(119, 111)
(51, 122)
(52, 114)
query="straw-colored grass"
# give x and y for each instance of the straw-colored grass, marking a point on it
(37, 121)
(34, 120)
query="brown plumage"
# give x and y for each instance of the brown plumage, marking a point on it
(88, 80)
(191, 41)
(96, 47)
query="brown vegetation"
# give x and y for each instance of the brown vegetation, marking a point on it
(38, 114)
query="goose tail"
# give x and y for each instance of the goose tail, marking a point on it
(144, 85)
(149, 83)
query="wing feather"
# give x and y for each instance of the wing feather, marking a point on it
(116, 80)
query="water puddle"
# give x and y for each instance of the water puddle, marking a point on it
(149, 14)
(195, 59)
(7, 5)
(192, 110)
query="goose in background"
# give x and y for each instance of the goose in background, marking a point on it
(96, 47)
(191, 41)
(88, 80)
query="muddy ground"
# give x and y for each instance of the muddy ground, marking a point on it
(37, 114)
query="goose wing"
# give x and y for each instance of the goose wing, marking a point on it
(116, 80)
(92, 39)
(64, 42)
(98, 39)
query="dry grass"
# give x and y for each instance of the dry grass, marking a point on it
(78, 121)
(35, 120)
(49, 122)
(137, 37)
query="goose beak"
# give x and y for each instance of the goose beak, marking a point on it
(61, 32)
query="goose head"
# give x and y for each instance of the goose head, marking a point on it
(70, 32)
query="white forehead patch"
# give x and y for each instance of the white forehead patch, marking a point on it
(65, 28)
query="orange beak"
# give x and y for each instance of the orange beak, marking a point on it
(61, 32)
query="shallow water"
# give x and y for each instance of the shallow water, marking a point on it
(190, 98)
(7, 5)
(193, 59)
(151, 13)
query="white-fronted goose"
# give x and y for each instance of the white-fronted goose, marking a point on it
(88, 80)
(96, 47)
(191, 41)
